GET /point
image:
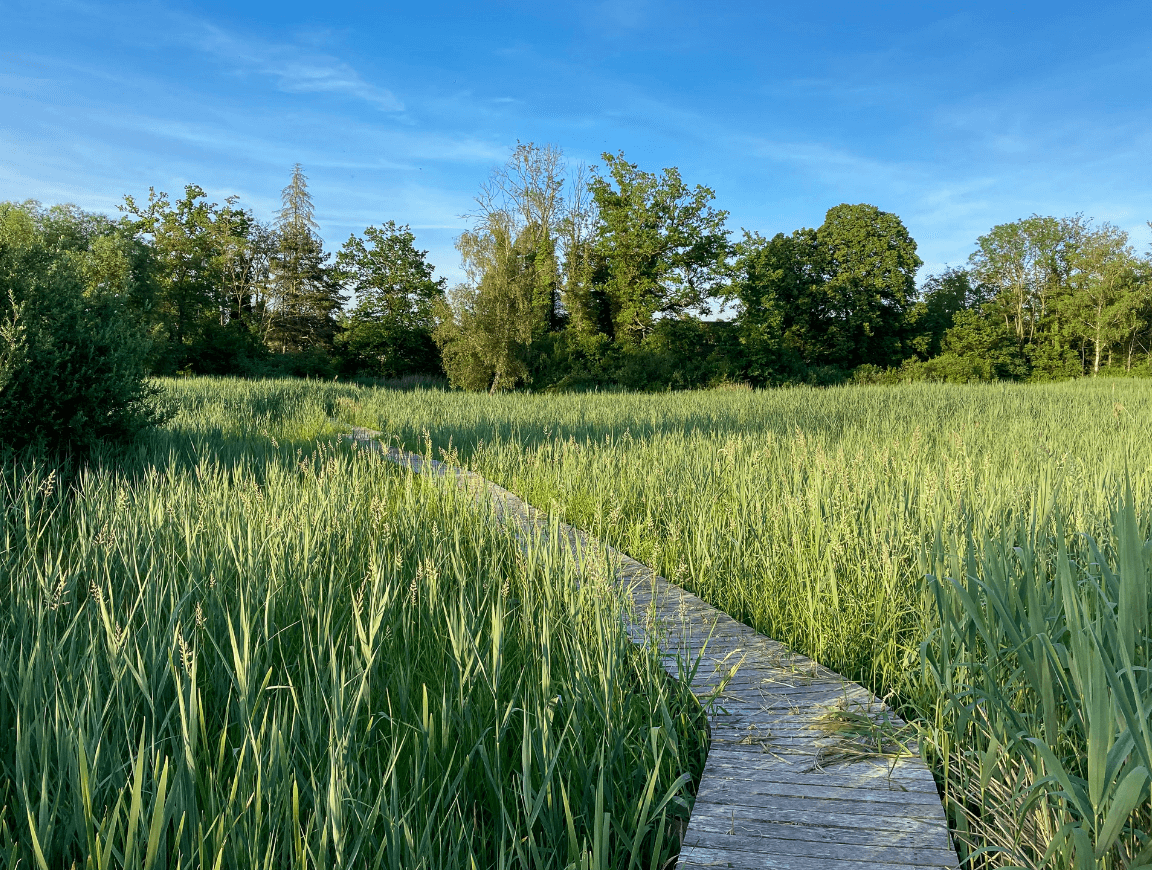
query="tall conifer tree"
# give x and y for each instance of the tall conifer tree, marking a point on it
(307, 293)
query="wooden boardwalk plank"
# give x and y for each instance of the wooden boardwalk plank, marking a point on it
(765, 802)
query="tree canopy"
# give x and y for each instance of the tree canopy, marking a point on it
(389, 330)
(579, 277)
(660, 247)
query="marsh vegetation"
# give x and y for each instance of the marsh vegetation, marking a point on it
(242, 643)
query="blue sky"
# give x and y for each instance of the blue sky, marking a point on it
(954, 116)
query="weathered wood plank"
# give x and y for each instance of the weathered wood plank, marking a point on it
(746, 787)
(732, 859)
(812, 840)
(859, 775)
(763, 800)
(874, 851)
(920, 812)
(836, 824)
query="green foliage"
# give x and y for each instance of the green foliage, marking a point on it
(572, 273)
(1109, 295)
(1074, 295)
(942, 298)
(72, 356)
(815, 516)
(1044, 299)
(485, 331)
(389, 332)
(977, 348)
(489, 326)
(838, 296)
(248, 645)
(1025, 264)
(305, 288)
(660, 247)
(678, 354)
(777, 283)
(185, 243)
(869, 262)
(1044, 714)
(641, 253)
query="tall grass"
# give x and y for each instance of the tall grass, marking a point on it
(248, 645)
(968, 552)
(1042, 666)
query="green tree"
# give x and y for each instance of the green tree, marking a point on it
(112, 260)
(942, 297)
(1106, 292)
(1136, 327)
(835, 296)
(488, 328)
(1026, 266)
(524, 199)
(246, 248)
(660, 248)
(777, 285)
(200, 256)
(576, 230)
(389, 331)
(978, 347)
(306, 295)
(73, 359)
(869, 262)
(186, 260)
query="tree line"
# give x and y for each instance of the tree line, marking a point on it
(575, 277)
(216, 291)
(609, 277)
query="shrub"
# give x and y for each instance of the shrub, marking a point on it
(72, 360)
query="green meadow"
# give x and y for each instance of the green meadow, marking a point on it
(243, 643)
(977, 555)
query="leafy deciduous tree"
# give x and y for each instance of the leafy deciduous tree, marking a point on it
(835, 296)
(186, 239)
(486, 331)
(512, 297)
(869, 261)
(389, 331)
(1025, 264)
(776, 283)
(942, 297)
(661, 247)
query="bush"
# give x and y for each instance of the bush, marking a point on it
(72, 360)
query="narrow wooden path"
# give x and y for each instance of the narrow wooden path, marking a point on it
(772, 795)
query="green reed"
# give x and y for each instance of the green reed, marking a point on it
(245, 644)
(1043, 717)
(820, 517)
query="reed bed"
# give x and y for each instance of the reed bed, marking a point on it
(978, 555)
(245, 644)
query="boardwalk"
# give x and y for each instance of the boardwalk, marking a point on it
(771, 795)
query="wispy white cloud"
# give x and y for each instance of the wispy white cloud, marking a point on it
(370, 148)
(294, 67)
(297, 66)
